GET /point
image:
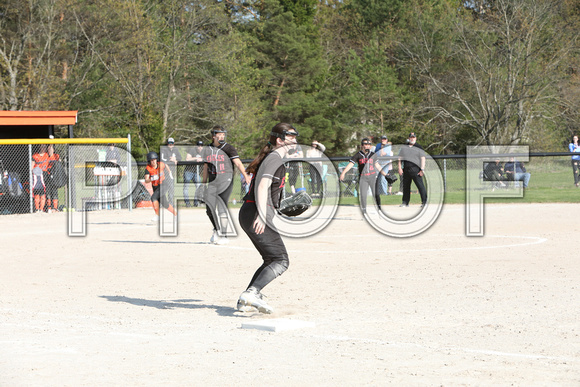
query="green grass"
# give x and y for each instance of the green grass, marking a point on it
(551, 182)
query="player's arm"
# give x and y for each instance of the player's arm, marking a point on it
(147, 178)
(381, 169)
(241, 167)
(346, 169)
(421, 172)
(400, 166)
(262, 191)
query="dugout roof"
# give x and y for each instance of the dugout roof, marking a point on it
(34, 124)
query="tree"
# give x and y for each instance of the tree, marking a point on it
(493, 79)
(30, 49)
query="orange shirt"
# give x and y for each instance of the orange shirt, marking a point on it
(157, 175)
(41, 160)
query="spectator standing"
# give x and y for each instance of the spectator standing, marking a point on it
(574, 147)
(412, 167)
(516, 171)
(51, 188)
(384, 149)
(193, 173)
(40, 160)
(112, 154)
(38, 188)
(294, 167)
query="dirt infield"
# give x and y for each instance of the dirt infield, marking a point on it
(124, 306)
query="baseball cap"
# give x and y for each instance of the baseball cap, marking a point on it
(200, 143)
(412, 134)
(383, 137)
(170, 140)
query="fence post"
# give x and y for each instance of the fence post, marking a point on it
(445, 175)
(129, 175)
(30, 188)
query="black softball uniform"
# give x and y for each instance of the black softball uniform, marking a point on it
(368, 177)
(269, 244)
(220, 174)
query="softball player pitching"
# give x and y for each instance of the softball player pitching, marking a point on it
(266, 191)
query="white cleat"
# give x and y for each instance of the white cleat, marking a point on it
(222, 241)
(214, 237)
(249, 299)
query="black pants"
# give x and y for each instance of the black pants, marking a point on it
(576, 170)
(213, 205)
(51, 190)
(270, 246)
(162, 199)
(413, 175)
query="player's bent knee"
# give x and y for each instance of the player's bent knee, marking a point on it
(279, 267)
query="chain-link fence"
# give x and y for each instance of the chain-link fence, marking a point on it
(39, 177)
(105, 177)
(100, 177)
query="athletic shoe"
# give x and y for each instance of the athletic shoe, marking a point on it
(214, 237)
(245, 308)
(252, 299)
(399, 193)
(404, 205)
(155, 218)
(222, 241)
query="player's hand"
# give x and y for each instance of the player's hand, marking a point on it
(259, 225)
(420, 173)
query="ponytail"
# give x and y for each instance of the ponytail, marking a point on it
(253, 167)
(278, 131)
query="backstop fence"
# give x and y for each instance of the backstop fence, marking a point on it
(100, 174)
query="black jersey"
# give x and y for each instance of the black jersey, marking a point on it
(275, 171)
(167, 153)
(365, 163)
(215, 158)
(411, 156)
(195, 152)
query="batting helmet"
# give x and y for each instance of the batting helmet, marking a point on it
(218, 129)
(152, 156)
